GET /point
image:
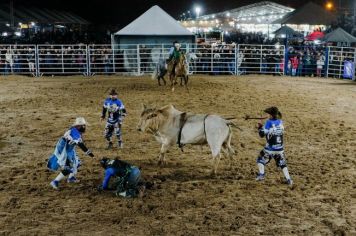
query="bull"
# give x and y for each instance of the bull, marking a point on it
(170, 126)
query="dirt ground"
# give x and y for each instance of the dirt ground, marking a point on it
(319, 116)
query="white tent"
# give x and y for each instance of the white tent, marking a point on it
(154, 26)
(155, 21)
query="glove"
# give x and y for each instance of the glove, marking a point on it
(71, 142)
(89, 153)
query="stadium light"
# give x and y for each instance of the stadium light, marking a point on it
(8, 25)
(18, 34)
(33, 24)
(329, 6)
(228, 14)
(4, 34)
(197, 11)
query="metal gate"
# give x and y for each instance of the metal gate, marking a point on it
(336, 61)
(62, 59)
(18, 59)
(260, 59)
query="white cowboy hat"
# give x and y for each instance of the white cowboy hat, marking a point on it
(80, 121)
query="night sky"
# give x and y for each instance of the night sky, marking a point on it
(121, 12)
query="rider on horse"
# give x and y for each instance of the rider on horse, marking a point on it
(174, 55)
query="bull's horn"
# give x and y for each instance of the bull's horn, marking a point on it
(144, 107)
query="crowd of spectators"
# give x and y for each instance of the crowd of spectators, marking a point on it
(213, 58)
(57, 59)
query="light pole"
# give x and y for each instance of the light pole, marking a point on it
(12, 19)
(197, 11)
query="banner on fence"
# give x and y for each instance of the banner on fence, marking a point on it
(349, 70)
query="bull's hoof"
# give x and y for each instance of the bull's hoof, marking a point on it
(162, 163)
(213, 174)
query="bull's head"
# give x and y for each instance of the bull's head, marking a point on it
(148, 119)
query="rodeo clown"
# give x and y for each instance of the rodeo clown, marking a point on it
(65, 157)
(116, 112)
(274, 149)
(127, 183)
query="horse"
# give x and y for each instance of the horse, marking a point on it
(160, 71)
(161, 67)
(178, 68)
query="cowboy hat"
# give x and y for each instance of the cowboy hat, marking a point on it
(274, 112)
(113, 92)
(80, 121)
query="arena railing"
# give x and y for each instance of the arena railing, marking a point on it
(306, 61)
(337, 56)
(260, 59)
(143, 58)
(62, 59)
(18, 59)
(138, 59)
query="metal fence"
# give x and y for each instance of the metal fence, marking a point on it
(337, 56)
(80, 59)
(260, 59)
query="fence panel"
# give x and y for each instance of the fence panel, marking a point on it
(18, 59)
(306, 61)
(141, 59)
(62, 59)
(260, 59)
(337, 58)
(212, 58)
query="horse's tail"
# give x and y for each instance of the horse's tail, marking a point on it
(154, 75)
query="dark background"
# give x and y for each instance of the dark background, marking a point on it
(122, 12)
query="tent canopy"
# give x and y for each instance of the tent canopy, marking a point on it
(154, 22)
(39, 15)
(286, 32)
(339, 36)
(315, 35)
(309, 14)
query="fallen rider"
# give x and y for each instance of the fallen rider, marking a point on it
(128, 178)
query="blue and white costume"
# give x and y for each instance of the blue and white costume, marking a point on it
(273, 130)
(65, 157)
(116, 112)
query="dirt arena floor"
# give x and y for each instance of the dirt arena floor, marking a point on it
(320, 138)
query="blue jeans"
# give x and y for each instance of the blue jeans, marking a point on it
(134, 177)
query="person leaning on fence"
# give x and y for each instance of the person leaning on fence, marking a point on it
(319, 65)
(65, 157)
(127, 182)
(273, 131)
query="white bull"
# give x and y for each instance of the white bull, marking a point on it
(170, 126)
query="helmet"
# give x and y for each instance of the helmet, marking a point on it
(104, 162)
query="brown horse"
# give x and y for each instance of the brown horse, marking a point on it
(180, 71)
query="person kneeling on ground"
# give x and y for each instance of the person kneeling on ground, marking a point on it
(273, 130)
(127, 183)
